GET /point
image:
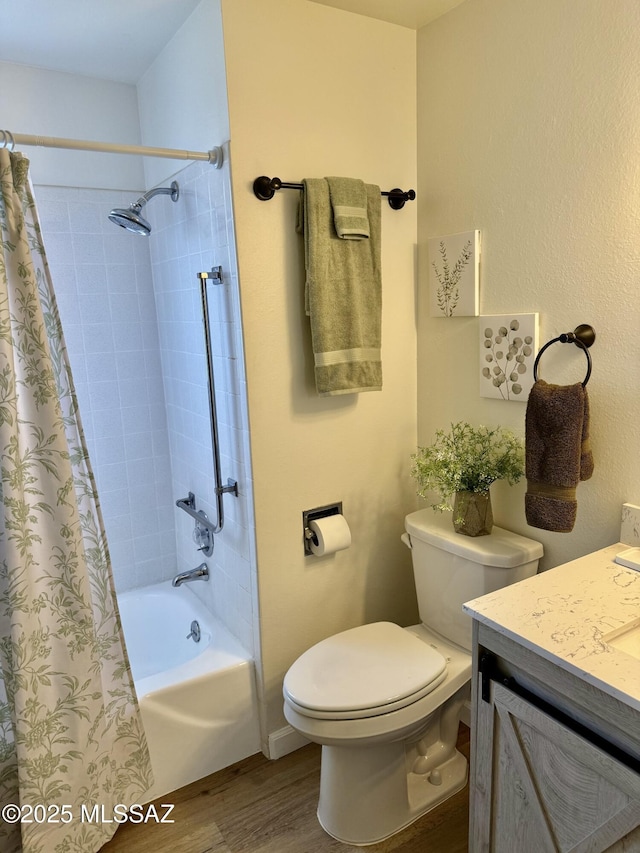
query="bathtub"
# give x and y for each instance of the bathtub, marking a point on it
(197, 699)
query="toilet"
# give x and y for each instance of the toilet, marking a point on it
(385, 701)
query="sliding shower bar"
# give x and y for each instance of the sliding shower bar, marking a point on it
(232, 486)
(10, 140)
(188, 504)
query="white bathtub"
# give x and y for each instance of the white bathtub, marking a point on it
(198, 700)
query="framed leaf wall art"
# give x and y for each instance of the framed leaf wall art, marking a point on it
(454, 275)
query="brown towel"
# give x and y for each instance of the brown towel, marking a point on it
(557, 454)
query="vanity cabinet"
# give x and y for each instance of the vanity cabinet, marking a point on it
(555, 762)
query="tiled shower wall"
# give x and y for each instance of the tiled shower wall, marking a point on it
(131, 313)
(193, 235)
(102, 280)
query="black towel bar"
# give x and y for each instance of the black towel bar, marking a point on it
(582, 336)
(265, 188)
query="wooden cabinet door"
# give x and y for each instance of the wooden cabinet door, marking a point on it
(541, 787)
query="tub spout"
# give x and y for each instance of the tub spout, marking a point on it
(199, 574)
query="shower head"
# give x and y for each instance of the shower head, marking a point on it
(131, 220)
(130, 217)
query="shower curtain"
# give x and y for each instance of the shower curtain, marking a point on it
(71, 740)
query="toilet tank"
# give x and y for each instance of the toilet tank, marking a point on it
(450, 568)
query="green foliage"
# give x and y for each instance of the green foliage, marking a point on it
(469, 459)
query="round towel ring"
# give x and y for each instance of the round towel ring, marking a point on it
(582, 336)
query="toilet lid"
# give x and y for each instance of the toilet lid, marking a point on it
(366, 667)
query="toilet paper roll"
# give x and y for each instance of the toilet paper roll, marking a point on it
(332, 533)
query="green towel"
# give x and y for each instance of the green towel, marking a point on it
(349, 202)
(343, 294)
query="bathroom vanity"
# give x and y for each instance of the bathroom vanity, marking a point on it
(555, 762)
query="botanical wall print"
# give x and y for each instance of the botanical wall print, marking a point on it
(454, 265)
(508, 347)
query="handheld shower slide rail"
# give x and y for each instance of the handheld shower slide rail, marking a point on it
(188, 503)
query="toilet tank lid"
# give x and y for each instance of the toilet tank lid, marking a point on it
(501, 548)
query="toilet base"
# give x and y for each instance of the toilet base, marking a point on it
(362, 817)
(368, 793)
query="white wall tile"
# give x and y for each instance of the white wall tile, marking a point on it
(102, 298)
(132, 316)
(195, 240)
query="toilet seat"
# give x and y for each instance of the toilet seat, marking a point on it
(363, 672)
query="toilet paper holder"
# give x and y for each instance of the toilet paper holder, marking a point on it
(309, 515)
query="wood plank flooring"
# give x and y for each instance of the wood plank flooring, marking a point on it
(262, 806)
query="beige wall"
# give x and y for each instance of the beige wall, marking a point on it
(528, 129)
(315, 91)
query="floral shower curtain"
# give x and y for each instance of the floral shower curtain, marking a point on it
(70, 732)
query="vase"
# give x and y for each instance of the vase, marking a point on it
(472, 513)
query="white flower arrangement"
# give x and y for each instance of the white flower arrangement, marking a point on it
(467, 458)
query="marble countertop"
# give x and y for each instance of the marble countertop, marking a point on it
(565, 613)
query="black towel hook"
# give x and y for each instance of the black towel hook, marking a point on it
(582, 336)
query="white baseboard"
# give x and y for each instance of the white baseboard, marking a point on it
(285, 740)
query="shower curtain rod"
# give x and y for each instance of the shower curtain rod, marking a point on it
(10, 140)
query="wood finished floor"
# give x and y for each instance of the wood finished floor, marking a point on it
(262, 806)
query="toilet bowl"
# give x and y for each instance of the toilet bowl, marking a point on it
(385, 701)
